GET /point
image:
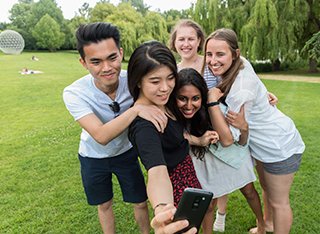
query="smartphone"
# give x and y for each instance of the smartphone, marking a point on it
(193, 206)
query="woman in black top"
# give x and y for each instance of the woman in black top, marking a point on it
(152, 74)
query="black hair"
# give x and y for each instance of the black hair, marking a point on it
(94, 33)
(200, 122)
(147, 57)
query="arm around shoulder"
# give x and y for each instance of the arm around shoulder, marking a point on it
(103, 133)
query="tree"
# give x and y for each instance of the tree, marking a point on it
(138, 5)
(21, 18)
(20, 14)
(291, 23)
(311, 27)
(312, 49)
(278, 29)
(128, 37)
(47, 33)
(3, 26)
(259, 35)
(131, 26)
(101, 11)
(26, 14)
(84, 10)
(206, 14)
(73, 25)
(156, 27)
(49, 7)
(171, 17)
(234, 14)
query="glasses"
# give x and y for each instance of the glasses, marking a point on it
(115, 107)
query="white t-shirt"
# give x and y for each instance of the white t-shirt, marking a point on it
(273, 136)
(82, 97)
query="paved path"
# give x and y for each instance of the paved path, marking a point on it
(298, 78)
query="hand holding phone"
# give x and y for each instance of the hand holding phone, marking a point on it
(193, 206)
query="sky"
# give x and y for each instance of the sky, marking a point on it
(69, 7)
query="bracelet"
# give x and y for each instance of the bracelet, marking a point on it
(212, 104)
(160, 204)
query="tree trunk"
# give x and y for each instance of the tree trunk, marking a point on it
(276, 65)
(313, 66)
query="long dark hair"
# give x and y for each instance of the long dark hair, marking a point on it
(200, 122)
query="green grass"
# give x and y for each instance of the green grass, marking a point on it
(300, 72)
(40, 185)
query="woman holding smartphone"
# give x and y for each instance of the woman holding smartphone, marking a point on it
(152, 75)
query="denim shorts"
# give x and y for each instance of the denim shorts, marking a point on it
(97, 178)
(287, 166)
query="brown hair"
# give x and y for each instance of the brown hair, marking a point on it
(230, 37)
(187, 23)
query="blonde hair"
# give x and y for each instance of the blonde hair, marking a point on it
(230, 37)
(186, 23)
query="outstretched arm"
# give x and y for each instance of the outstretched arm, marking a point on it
(147, 140)
(159, 187)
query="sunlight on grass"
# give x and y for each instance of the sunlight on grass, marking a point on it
(41, 189)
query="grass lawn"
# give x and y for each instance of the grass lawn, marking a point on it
(41, 190)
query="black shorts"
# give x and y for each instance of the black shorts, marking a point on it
(97, 178)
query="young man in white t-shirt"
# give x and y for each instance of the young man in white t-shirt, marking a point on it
(101, 103)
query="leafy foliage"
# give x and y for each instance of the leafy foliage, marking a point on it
(101, 11)
(274, 30)
(171, 17)
(138, 5)
(47, 33)
(205, 13)
(41, 190)
(156, 27)
(259, 35)
(312, 47)
(131, 26)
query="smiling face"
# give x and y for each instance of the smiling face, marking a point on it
(103, 61)
(189, 100)
(187, 42)
(156, 86)
(219, 57)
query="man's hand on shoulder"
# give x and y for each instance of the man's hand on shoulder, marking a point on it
(152, 114)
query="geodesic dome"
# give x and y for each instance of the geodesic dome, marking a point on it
(11, 42)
